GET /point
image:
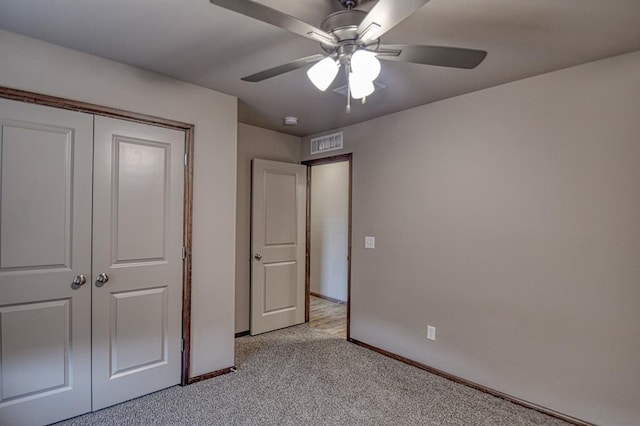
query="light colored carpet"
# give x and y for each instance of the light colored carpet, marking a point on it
(300, 376)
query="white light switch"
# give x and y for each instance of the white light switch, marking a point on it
(431, 332)
(370, 242)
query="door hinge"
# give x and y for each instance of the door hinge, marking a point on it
(181, 345)
(185, 159)
(184, 252)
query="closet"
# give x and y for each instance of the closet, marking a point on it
(91, 237)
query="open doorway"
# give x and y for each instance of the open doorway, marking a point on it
(328, 251)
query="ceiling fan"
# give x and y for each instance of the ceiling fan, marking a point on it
(351, 38)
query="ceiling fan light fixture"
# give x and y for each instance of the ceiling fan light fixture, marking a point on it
(360, 87)
(351, 38)
(323, 73)
(365, 64)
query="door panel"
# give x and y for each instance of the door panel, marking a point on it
(139, 229)
(280, 288)
(128, 328)
(43, 331)
(36, 169)
(280, 208)
(138, 211)
(45, 242)
(278, 244)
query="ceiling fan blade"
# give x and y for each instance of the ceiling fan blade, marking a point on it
(281, 69)
(441, 56)
(385, 15)
(277, 18)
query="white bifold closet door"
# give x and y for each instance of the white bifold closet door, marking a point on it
(69, 343)
(45, 242)
(137, 243)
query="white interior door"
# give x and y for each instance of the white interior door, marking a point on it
(278, 245)
(137, 245)
(45, 242)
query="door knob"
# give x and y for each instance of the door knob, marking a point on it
(101, 279)
(78, 281)
(258, 256)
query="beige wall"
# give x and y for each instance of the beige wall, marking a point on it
(509, 219)
(32, 65)
(253, 142)
(329, 229)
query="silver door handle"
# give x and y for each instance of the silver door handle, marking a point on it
(258, 256)
(78, 281)
(101, 279)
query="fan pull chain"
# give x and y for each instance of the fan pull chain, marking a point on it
(347, 68)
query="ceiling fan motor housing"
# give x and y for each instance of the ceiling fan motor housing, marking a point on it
(344, 25)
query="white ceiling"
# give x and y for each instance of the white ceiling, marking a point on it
(197, 42)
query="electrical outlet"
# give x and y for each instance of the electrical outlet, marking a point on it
(370, 242)
(431, 332)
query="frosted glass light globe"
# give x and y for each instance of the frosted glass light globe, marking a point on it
(359, 86)
(323, 73)
(365, 65)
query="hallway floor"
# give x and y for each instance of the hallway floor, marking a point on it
(328, 317)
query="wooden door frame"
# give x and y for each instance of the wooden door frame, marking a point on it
(316, 162)
(188, 129)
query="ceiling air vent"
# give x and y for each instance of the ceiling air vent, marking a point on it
(326, 143)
